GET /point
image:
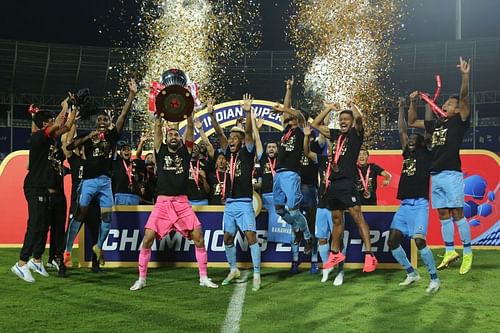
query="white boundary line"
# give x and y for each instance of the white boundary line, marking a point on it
(235, 307)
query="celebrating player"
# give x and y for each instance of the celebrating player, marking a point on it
(446, 173)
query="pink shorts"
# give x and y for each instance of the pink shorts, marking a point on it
(172, 213)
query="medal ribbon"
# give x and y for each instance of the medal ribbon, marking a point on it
(232, 169)
(328, 172)
(272, 165)
(287, 135)
(128, 171)
(364, 179)
(338, 148)
(222, 185)
(195, 172)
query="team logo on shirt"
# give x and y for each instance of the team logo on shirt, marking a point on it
(173, 164)
(304, 161)
(344, 148)
(289, 145)
(409, 166)
(101, 149)
(237, 169)
(56, 160)
(439, 136)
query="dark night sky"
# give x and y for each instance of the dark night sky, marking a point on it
(72, 22)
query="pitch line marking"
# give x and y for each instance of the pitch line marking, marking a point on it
(235, 307)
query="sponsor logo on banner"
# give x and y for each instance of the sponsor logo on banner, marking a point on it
(124, 241)
(227, 114)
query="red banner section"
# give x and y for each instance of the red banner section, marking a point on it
(482, 184)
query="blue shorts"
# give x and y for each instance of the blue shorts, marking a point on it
(324, 223)
(286, 189)
(309, 196)
(412, 217)
(100, 188)
(127, 199)
(447, 189)
(238, 213)
(203, 202)
(278, 231)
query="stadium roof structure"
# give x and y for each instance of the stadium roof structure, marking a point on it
(42, 72)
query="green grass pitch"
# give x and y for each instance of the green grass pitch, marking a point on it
(173, 301)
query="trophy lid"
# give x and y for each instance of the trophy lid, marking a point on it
(174, 77)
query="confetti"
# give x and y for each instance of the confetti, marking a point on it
(343, 48)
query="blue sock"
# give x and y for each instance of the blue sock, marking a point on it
(448, 233)
(323, 250)
(73, 228)
(428, 259)
(231, 256)
(301, 223)
(314, 251)
(295, 251)
(400, 255)
(103, 233)
(464, 231)
(255, 252)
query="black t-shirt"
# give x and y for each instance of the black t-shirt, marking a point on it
(57, 169)
(40, 161)
(128, 176)
(267, 165)
(216, 181)
(349, 153)
(414, 181)
(76, 164)
(308, 172)
(290, 149)
(322, 193)
(149, 187)
(241, 186)
(173, 171)
(197, 191)
(446, 139)
(375, 171)
(99, 155)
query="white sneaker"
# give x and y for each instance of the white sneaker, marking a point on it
(37, 267)
(326, 272)
(256, 282)
(410, 278)
(339, 279)
(23, 272)
(54, 264)
(233, 274)
(433, 286)
(139, 284)
(206, 282)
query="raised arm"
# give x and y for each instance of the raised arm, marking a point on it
(247, 108)
(307, 149)
(66, 139)
(140, 146)
(464, 103)
(215, 123)
(120, 122)
(402, 126)
(281, 109)
(318, 122)
(158, 133)
(204, 138)
(189, 134)
(412, 112)
(287, 102)
(256, 135)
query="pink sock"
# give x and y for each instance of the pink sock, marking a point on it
(201, 258)
(144, 258)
